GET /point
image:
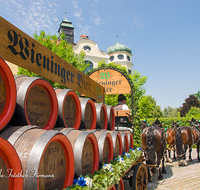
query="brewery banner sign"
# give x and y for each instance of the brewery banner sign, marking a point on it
(19, 48)
(112, 80)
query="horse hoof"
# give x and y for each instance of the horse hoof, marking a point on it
(198, 160)
(190, 160)
(160, 177)
(170, 161)
(179, 163)
(185, 163)
(174, 158)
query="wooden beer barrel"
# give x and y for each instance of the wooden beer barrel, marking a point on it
(111, 117)
(46, 156)
(69, 109)
(102, 118)
(9, 160)
(117, 143)
(105, 145)
(8, 94)
(36, 103)
(85, 148)
(88, 114)
(130, 139)
(125, 142)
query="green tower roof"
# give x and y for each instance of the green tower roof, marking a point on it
(66, 23)
(118, 47)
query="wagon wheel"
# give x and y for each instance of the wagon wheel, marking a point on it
(140, 177)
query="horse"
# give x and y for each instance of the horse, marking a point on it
(183, 140)
(194, 125)
(171, 139)
(153, 145)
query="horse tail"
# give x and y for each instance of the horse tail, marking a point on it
(179, 142)
(151, 159)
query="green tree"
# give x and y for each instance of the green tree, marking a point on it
(60, 47)
(194, 112)
(148, 107)
(192, 101)
(170, 112)
(197, 95)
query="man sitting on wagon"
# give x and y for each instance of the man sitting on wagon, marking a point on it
(122, 119)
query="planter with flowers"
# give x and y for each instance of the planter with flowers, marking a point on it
(110, 173)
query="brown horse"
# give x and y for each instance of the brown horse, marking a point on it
(183, 140)
(171, 139)
(153, 145)
(195, 137)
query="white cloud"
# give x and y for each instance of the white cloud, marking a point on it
(75, 4)
(138, 23)
(78, 13)
(32, 15)
(96, 19)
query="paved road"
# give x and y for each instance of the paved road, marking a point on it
(177, 178)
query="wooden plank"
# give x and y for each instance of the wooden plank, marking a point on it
(22, 50)
(119, 113)
(113, 81)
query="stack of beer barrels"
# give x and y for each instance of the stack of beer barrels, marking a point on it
(50, 136)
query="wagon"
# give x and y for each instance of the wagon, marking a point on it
(137, 176)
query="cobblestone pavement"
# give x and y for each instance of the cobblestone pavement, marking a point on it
(177, 177)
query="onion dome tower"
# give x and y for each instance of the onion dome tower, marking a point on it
(121, 55)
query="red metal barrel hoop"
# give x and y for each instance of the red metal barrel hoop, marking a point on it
(9, 160)
(36, 103)
(111, 117)
(88, 114)
(8, 94)
(85, 149)
(102, 117)
(68, 106)
(125, 141)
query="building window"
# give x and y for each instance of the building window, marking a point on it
(120, 56)
(129, 71)
(111, 58)
(128, 57)
(89, 67)
(87, 48)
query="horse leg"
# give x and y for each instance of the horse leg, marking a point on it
(174, 153)
(190, 150)
(184, 157)
(149, 175)
(163, 166)
(159, 157)
(198, 151)
(169, 155)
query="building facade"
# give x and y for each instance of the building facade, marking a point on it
(118, 53)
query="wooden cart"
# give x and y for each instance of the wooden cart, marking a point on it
(137, 175)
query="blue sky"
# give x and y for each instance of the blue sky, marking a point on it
(164, 36)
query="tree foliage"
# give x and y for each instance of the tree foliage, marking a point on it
(148, 108)
(60, 47)
(194, 112)
(197, 95)
(170, 112)
(192, 101)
